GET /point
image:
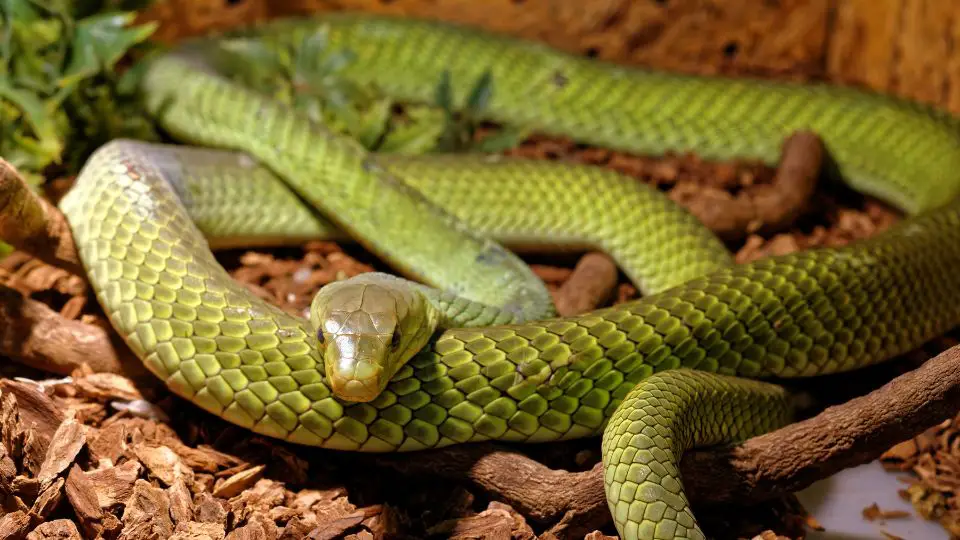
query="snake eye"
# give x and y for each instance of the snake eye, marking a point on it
(395, 340)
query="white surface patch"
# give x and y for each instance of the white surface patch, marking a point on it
(838, 502)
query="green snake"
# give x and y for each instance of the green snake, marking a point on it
(655, 376)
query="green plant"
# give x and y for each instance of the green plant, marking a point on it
(307, 76)
(60, 92)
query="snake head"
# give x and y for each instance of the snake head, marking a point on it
(368, 327)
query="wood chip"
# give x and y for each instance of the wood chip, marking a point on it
(181, 503)
(258, 528)
(114, 485)
(49, 499)
(240, 481)
(82, 494)
(60, 529)
(194, 530)
(209, 509)
(67, 442)
(874, 513)
(104, 387)
(492, 524)
(597, 535)
(147, 513)
(163, 463)
(27, 412)
(260, 498)
(521, 529)
(14, 525)
(334, 529)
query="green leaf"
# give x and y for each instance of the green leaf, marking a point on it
(129, 82)
(100, 42)
(48, 142)
(444, 92)
(20, 10)
(419, 135)
(373, 123)
(480, 95)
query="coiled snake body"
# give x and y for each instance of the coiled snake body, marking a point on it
(654, 376)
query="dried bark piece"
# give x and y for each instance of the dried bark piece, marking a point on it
(597, 535)
(592, 282)
(59, 529)
(205, 459)
(874, 513)
(194, 530)
(770, 535)
(492, 524)
(260, 498)
(181, 503)
(14, 525)
(114, 440)
(334, 529)
(66, 444)
(240, 481)
(521, 529)
(82, 495)
(30, 275)
(258, 528)
(386, 523)
(119, 434)
(147, 513)
(49, 499)
(30, 409)
(8, 471)
(103, 387)
(32, 224)
(35, 335)
(298, 527)
(163, 463)
(209, 509)
(114, 485)
(24, 489)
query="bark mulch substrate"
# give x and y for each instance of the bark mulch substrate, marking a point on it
(99, 454)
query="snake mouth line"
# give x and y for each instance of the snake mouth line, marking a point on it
(350, 387)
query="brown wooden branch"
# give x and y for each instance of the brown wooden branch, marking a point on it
(33, 334)
(31, 224)
(764, 208)
(591, 283)
(761, 468)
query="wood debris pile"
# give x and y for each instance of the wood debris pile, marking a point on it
(933, 458)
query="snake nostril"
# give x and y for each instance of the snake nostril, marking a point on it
(320, 337)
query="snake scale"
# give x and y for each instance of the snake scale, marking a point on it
(655, 376)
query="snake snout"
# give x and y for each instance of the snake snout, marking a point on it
(355, 367)
(358, 380)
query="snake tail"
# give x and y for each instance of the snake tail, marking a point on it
(662, 417)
